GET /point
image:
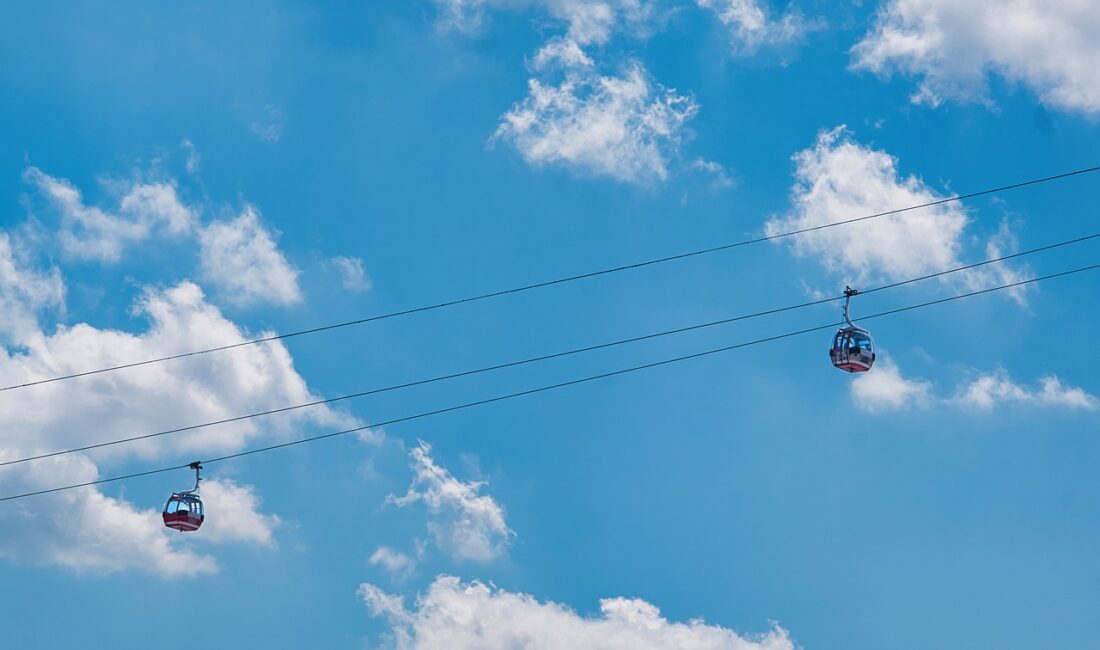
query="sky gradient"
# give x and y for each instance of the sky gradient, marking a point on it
(178, 176)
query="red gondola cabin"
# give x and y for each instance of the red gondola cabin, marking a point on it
(852, 349)
(183, 510)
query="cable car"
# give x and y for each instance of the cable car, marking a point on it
(183, 511)
(852, 350)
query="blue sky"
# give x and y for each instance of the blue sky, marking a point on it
(185, 175)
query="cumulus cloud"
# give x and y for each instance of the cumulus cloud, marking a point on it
(838, 179)
(241, 258)
(233, 514)
(467, 525)
(24, 291)
(214, 387)
(460, 616)
(352, 276)
(87, 530)
(91, 233)
(396, 563)
(997, 388)
(619, 123)
(885, 389)
(589, 22)
(751, 25)
(625, 126)
(1050, 46)
(84, 530)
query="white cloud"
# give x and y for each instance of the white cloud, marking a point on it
(625, 126)
(352, 276)
(396, 563)
(721, 179)
(622, 124)
(158, 204)
(1050, 46)
(990, 390)
(233, 514)
(465, 16)
(86, 530)
(468, 525)
(241, 258)
(838, 179)
(884, 388)
(194, 158)
(199, 389)
(561, 52)
(589, 22)
(90, 233)
(751, 26)
(24, 292)
(268, 126)
(461, 616)
(999, 245)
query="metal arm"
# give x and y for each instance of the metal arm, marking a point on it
(197, 466)
(848, 293)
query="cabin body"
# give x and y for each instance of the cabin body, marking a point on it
(852, 350)
(183, 512)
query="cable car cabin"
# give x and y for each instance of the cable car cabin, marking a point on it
(183, 512)
(853, 350)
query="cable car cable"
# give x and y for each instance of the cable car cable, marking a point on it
(542, 389)
(548, 283)
(545, 357)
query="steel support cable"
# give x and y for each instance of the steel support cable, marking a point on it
(543, 389)
(545, 357)
(549, 283)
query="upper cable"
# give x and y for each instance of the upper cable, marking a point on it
(553, 355)
(550, 387)
(548, 283)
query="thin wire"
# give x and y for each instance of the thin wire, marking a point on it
(546, 357)
(550, 387)
(549, 283)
